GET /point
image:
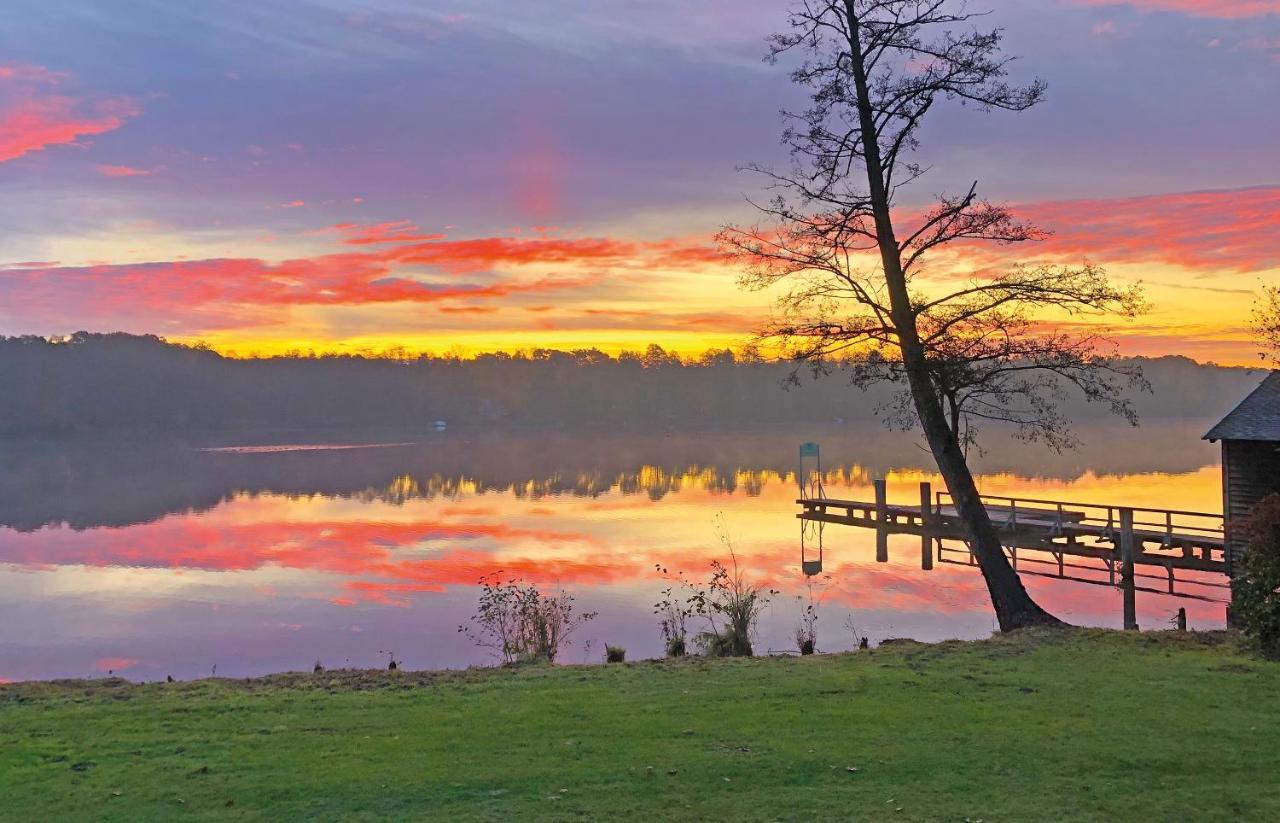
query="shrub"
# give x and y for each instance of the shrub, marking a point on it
(807, 628)
(675, 613)
(1256, 591)
(730, 604)
(615, 654)
(806, 633)
(521, 624)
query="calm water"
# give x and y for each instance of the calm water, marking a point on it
(265, 553)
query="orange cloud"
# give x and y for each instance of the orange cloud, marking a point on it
(1225, 9)
(468, 309)
(34, 116)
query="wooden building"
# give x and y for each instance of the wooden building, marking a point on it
(1250, 437)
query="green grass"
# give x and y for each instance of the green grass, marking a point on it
(1072, 725)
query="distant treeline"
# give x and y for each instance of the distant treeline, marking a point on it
(90, 383)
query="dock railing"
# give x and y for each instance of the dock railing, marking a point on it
(1172, 528)
(1123, 539)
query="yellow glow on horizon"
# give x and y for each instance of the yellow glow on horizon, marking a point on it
(1200, 315)
(471, 344)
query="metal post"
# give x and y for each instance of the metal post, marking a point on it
(926, 523)
(1126, 570)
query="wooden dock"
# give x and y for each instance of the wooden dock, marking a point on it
(1042, 532)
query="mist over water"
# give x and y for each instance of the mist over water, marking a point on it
(266, 551)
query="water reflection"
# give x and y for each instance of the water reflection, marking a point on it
(168, 559)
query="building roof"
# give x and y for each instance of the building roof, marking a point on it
(1256, 418)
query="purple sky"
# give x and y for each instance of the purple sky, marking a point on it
(233, 130)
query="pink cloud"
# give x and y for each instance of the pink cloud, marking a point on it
(120, 171)
(396, 231)
(1226, 9)
(1213, 230)
(186, 296)
(35, 115)
(114, 664)
(1209, 231)
(210, 294)
(370, 554)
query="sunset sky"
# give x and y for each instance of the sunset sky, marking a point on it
(490, 174)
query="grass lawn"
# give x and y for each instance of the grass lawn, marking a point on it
(1073, 725)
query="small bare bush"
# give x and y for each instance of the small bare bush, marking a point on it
(520, 623)
(807, 628)
(674, 611)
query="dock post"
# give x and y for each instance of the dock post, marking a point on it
(1126, 570)
(882, 518)
(926, 523)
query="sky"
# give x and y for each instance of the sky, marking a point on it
(475, 175)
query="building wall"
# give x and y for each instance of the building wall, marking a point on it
(1250, 472)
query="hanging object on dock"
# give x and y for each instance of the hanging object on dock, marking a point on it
(811, 547)
(810, 475)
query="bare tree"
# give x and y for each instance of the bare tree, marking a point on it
(850, 263)
(1266, 322)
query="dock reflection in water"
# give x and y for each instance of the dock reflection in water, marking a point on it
(160, 559)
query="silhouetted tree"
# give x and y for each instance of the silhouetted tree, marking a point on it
(1266, 322)
(852, 263)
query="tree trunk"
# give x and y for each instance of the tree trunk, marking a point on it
(1013, 606)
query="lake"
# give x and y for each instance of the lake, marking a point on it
(268, 552)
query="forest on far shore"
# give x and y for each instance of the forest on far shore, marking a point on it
(101, 383)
